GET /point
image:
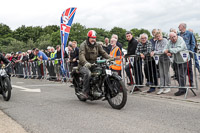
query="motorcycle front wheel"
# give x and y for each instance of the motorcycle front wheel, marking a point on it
(118, 96)
(6, 90)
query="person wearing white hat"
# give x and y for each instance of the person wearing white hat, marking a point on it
(48, 51)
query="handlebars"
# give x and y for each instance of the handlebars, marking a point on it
(101, 61)
(107, 61)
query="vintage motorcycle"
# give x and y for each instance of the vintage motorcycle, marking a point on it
(5, 84)
(104, 84)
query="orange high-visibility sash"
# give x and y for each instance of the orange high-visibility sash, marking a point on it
(118, 62)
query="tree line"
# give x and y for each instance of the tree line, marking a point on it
(28, 37)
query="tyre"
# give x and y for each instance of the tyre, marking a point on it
(118, 96)
(6, 90)
(77, 83)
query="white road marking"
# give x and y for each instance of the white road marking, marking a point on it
(48, 85)
(19, 82)
(26, 89)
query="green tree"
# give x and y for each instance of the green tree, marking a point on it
(136, 32)
(50, 29)
(147, 32)
(22, 34)
(78, 33)
(15, 46)
(55, 38)
(30, 44)
(6, 41)
(36, 32)
(5, 31)
(44, 41)
(24, 38)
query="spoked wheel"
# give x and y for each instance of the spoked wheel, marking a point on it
(77, 81)
(6, 90)
(118, 96)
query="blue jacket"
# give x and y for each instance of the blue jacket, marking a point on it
(153, 42)
(189, 39)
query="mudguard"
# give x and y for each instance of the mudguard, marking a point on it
(116, 76)
(107, 80)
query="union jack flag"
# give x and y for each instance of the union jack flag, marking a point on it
(65, 25)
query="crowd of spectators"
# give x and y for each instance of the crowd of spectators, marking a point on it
(34, 63)
(31, 64)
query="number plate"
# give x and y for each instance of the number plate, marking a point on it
(109, 72)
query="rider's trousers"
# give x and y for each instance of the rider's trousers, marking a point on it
(86, 78)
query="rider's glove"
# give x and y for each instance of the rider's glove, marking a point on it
(88, 65)
(111, 59)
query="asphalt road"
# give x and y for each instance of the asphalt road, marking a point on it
(57, 110)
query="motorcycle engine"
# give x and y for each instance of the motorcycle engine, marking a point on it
(96, 72)
(95, 80)
(96, 92)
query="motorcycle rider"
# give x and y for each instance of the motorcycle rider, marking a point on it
(6, 62)
(89, 51)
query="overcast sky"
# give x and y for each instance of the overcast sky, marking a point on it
(128, 14)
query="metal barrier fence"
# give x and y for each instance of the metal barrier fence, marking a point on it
(153, 71)
(45, 69)
(157, 71)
